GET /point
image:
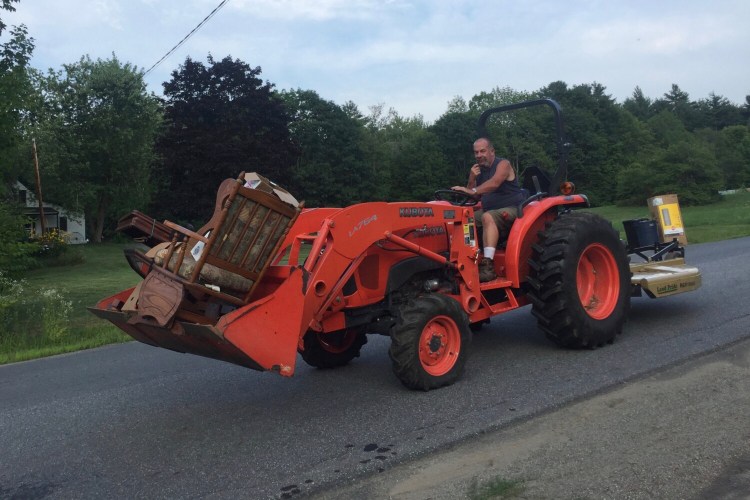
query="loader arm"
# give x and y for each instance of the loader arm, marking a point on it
(269, 330)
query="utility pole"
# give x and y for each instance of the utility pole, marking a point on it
(38, 187)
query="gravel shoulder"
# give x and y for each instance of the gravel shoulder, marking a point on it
(683, 432)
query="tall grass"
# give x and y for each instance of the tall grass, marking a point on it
(45, 313)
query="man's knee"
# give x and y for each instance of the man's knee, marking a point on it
(488, 220)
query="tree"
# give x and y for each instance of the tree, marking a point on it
(678, 102)
(456, 131)
(668, 129)
(496, 97)
(639, 105)
(330, 170)
(718, 112)
(15, 255)
(412, 160)
(95, 139)
(633, 185)
(745, 110)
(689, 169)
(221, 119)
(594, 126)
(15, 89)
(733, 156)
(680, 162)
(6, 5)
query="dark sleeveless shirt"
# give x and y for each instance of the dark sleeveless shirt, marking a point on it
(507, 195)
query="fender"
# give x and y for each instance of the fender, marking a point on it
(525, 232)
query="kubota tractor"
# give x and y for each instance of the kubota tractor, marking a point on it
(264, 280)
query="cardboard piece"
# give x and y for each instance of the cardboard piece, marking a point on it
(665, 210)
(254, 180)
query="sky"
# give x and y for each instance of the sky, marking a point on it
(414, 55)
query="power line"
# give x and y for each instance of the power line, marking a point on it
(205, 20)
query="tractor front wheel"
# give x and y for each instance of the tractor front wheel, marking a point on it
(580, 281)
(430, 342)
(331, 350)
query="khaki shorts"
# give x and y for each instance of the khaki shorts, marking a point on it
(503, 218)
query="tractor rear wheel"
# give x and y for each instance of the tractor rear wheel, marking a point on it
(331, 350)
(580, 279)
(430, 342)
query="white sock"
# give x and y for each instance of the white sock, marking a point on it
(489, 252)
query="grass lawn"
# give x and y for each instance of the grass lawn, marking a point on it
(727, 219)
(104, 272)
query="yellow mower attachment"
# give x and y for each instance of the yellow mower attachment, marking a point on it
(664, 278)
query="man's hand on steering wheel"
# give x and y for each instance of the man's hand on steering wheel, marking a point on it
(465, 190)
(457, 195)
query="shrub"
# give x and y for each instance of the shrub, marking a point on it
(51, 244)
(29, 313)
(16, 254)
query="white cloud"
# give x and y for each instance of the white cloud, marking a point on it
(109, 13)
(318, 10)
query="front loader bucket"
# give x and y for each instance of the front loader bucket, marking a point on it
(263, 335)
(192, 338)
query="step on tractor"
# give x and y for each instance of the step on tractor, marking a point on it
(265, 279)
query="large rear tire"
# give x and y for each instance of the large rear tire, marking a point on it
(580, 279)
(331, 350)
(430, 342)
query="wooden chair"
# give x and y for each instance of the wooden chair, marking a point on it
(238, 243)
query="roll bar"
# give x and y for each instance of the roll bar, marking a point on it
(561, 173)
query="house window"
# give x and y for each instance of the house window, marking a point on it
(22, 196)
(63, 223)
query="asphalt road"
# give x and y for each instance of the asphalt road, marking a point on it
(134, 421)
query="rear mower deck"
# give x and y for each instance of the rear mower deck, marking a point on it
(664, 278)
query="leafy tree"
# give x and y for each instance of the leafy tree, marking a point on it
(221, 119)
(496, 97)
(668, 129)
(717, 112)
(639, 105)
(456, 131)
(633, 185)
(6, 5)
(95, 139)
(745, 110)
(15, 89)
(689, 169)
(413, 160)
(15, 254)
(678, 102)
(681, 163)
(330, 170)
(594, 125)
(733, 156)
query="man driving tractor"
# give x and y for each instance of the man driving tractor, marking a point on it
(494, 180)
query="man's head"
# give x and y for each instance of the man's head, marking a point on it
(484, 152)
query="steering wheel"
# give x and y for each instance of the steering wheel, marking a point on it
(457, 198)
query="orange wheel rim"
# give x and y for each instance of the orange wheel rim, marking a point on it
(439, 345)
(598, 281)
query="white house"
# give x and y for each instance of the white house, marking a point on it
(72, 227)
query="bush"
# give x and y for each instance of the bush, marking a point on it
(16, 253)
(51, 244)
(31, 315)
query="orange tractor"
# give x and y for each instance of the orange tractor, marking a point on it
(264, 280)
